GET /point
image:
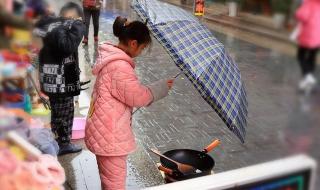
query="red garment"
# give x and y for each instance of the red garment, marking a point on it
(95, 4)
(309, 17)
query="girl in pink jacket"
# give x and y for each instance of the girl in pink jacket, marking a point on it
(308, 16)
(117, 90)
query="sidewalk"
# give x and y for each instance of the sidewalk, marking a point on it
(279, 118)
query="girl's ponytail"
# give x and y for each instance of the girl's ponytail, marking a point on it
(135, 30)
(119, 26)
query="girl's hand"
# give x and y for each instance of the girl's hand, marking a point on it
(170, 83)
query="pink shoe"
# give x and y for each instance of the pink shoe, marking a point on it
(96, 39)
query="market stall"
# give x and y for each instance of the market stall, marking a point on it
(28, 150)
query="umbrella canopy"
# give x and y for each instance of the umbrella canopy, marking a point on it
(202, 58)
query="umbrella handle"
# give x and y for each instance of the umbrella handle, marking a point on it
(211, 146)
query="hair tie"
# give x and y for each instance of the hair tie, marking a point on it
(124, 24)
(146, 22)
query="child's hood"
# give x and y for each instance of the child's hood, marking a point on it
(109, 53)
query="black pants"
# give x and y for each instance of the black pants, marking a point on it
(62, 113)
(307, 59)
(95, 14)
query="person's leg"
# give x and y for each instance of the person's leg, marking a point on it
(312, 60)
(62, 114)
(55, 120)
(68, 114)
(113, 172)
(95, 20)
(87, 17)
(59, 119)
(307, 59)
(302, 54)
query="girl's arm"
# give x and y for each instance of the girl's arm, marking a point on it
(127, 88)
(303, 13)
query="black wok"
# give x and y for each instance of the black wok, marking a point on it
(198, 159)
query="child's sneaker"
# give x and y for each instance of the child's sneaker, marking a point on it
(68, 149)
(85, 41)
(96, 39)
(307, 83)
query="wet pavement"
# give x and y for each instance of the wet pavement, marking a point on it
(281, 121)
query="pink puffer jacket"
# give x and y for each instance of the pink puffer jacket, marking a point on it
(116, 91)
(309, 17)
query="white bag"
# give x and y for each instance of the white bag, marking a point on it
(295, 33)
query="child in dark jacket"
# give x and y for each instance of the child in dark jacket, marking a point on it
(60, 73)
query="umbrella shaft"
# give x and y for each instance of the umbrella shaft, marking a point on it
(136, 111)
(178, 74)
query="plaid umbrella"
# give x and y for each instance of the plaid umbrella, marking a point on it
(202, 58)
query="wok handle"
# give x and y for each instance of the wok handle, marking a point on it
(165, 170)
(211, 146)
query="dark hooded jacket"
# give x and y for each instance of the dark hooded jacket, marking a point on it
(59, 65)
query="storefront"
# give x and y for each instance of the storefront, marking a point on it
(269, 7)
(280, 12)
(257, 6)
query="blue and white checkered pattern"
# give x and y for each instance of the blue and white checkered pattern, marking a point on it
(204, 60)
(162, 13)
